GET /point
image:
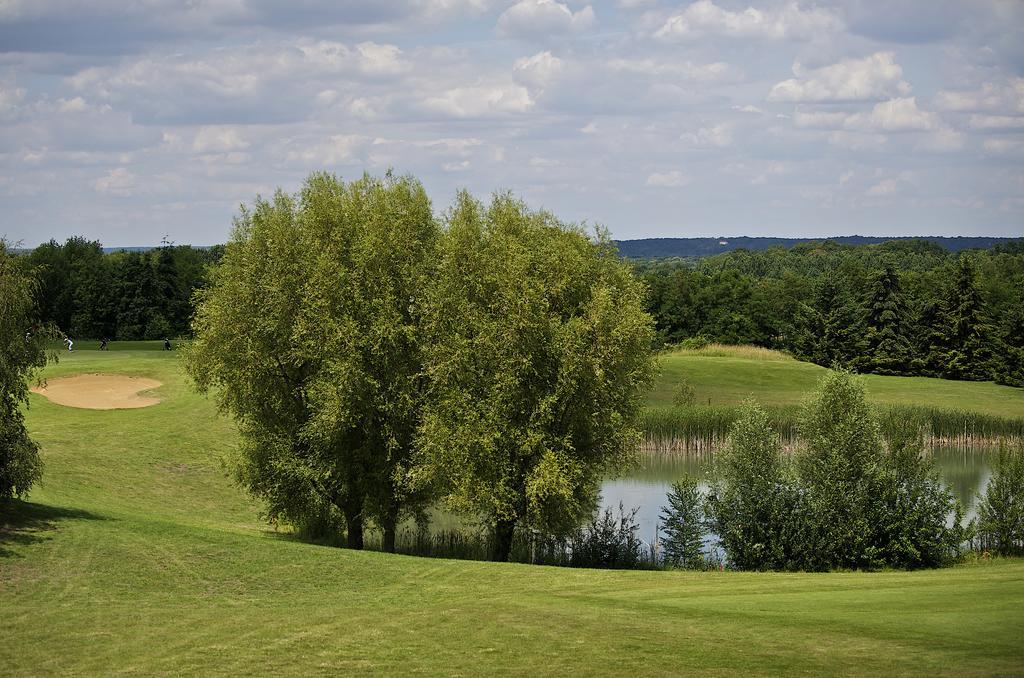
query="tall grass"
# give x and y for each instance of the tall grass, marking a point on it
(745, 352)
(704, 428)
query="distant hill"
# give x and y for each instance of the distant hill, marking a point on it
(705, 247)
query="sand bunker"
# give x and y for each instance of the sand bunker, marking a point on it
(99, 391)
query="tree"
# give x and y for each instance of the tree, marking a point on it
(309, 336)
(753, 503)
(886, 346)
(963, 345)
(827, 324)
(538, 360)
(683, 522)
(839, 468)
(21, 356)
(1001, 507)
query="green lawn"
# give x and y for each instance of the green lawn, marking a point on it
(724, 380)
(137, 555)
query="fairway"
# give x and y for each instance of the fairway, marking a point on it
(728, 377)
(137, 554)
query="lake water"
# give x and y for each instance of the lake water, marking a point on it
(966, 472)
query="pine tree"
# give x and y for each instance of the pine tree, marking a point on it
(827, 326)
(885, 347)
(684, 524)
(962, 343)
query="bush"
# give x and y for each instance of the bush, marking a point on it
(683, 521)
(1001, 507)
(754, 503)
(608, 542)
(846, 504)
(909, 510)
(695, 343)
(684, 394)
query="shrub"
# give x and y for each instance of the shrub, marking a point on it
(608, 541)
(695, 343)
(1001, 507)
(753, 503)
(846, 504)
(684, 394)
(683, 521)
(909, 510)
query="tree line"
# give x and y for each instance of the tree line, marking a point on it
(899, 308)
(123, 295)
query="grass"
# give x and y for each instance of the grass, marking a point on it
(137, 555)
(722, 377)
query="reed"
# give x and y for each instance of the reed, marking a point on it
(704, 428)
(745, 352)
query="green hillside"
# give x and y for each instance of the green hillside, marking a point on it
(138, 555)
(727, 375)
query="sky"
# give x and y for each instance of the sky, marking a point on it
(128, 122)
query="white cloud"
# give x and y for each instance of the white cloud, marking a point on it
(316, 152)
(883, 188)
(895, 115)
(820, 119)
(117, 182)
(717, 136)
(686, 70)
(787, 22)
(538, 70)
(985, 122)
(670, 179)
(1007, 97)
(875, 77)
(944, 140)
(218, 139)
(533, 19)
(481, 101)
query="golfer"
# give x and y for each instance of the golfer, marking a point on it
(67, 340)
(103, 344)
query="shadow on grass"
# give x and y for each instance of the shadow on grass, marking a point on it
(23, 523)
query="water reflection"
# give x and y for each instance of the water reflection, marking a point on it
(966, 472)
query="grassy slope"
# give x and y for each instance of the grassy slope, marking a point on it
(138, 556)
(724, 379)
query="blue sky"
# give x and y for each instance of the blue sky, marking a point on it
(126, 121)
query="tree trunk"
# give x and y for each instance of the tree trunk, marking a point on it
(354, 524)
(503, 531)
(390, 527)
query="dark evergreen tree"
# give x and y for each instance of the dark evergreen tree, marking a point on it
(827, 325)
(885, 346)
(962, 346)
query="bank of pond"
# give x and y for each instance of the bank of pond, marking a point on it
(628, 530)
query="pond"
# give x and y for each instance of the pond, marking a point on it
(966, 472)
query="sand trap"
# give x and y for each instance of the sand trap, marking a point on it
(99, 391)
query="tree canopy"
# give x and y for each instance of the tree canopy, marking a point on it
(22, 354)
(537, 364)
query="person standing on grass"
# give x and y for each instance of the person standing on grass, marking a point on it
(167, 344)
(67, 340)
(103, 344)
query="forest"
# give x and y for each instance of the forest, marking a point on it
(903, 307)
(121, 295)
(907, 307)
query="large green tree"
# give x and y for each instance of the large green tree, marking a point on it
(309, 336)
(965, 338)
(885, 347)
(538, 362)
(22, 354)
